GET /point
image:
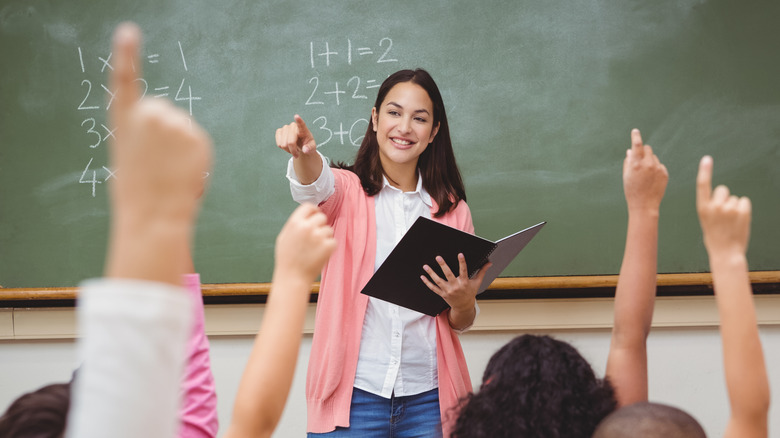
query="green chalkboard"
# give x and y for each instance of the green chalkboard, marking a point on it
(541, 97)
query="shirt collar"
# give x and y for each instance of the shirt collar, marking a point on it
(424, 195)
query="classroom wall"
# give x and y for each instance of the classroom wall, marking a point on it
(685, 363)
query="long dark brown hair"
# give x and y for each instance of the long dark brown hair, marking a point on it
(440, 174)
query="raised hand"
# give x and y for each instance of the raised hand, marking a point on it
(644, 177)
(644, 184)
(296, 138)
(305, 243)
(725, 223)
(725, 218)
(302, 248)
(160, 157)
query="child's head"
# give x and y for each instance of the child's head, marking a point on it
(649, 420)
(437, 165)
(536, 386)
(42, 413)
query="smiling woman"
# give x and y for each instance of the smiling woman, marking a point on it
(386, 355)
(403, 132)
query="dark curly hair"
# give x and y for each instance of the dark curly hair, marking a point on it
(42, 413)
(536, 387)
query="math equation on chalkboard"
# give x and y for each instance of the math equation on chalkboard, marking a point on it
(332, 92)
(96, 98)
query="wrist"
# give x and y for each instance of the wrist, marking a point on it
(156, 253)
(462, 318)
(646, 211)
(464, 308)
(166, 229)
(293, 277)
(288, 287)
(727, 259)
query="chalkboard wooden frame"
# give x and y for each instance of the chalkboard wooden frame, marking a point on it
(581, 286)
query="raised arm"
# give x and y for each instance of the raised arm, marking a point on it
(296, 139)
(644, 184)
(162, 158)
(134, 323)
(725, 223)
(302, 248)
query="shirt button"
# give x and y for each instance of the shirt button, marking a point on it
(396, 334)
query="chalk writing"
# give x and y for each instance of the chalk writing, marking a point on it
(322, 52)
(96, 129)
(331, 91)
(359, 126)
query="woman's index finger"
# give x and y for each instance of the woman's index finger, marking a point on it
(303, 130)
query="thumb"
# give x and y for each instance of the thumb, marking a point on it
(480, 275)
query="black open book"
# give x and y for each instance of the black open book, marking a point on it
(398, 279)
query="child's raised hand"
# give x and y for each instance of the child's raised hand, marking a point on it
(725, 218)
(159, 154)
(644, 176)
(296, 138)
(305, 243)
(159, 157)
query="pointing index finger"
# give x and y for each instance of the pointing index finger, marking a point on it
(636, 143)
(303, 130)
(305, 137)
(122, 79)
(704, 181)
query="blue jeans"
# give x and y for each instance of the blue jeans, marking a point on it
(397, 417)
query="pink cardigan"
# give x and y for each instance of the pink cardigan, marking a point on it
(341, 308)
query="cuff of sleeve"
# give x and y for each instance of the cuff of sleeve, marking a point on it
(476, 314)
(316, 192)
(191, 282)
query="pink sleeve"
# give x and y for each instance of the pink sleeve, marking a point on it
(199, 398)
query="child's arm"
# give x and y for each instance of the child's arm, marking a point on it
(134, 322)
(162, 156)
(296, 139)
(302, 248)
(725, 223)
(644, 183)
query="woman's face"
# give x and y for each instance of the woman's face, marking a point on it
(403, 126)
